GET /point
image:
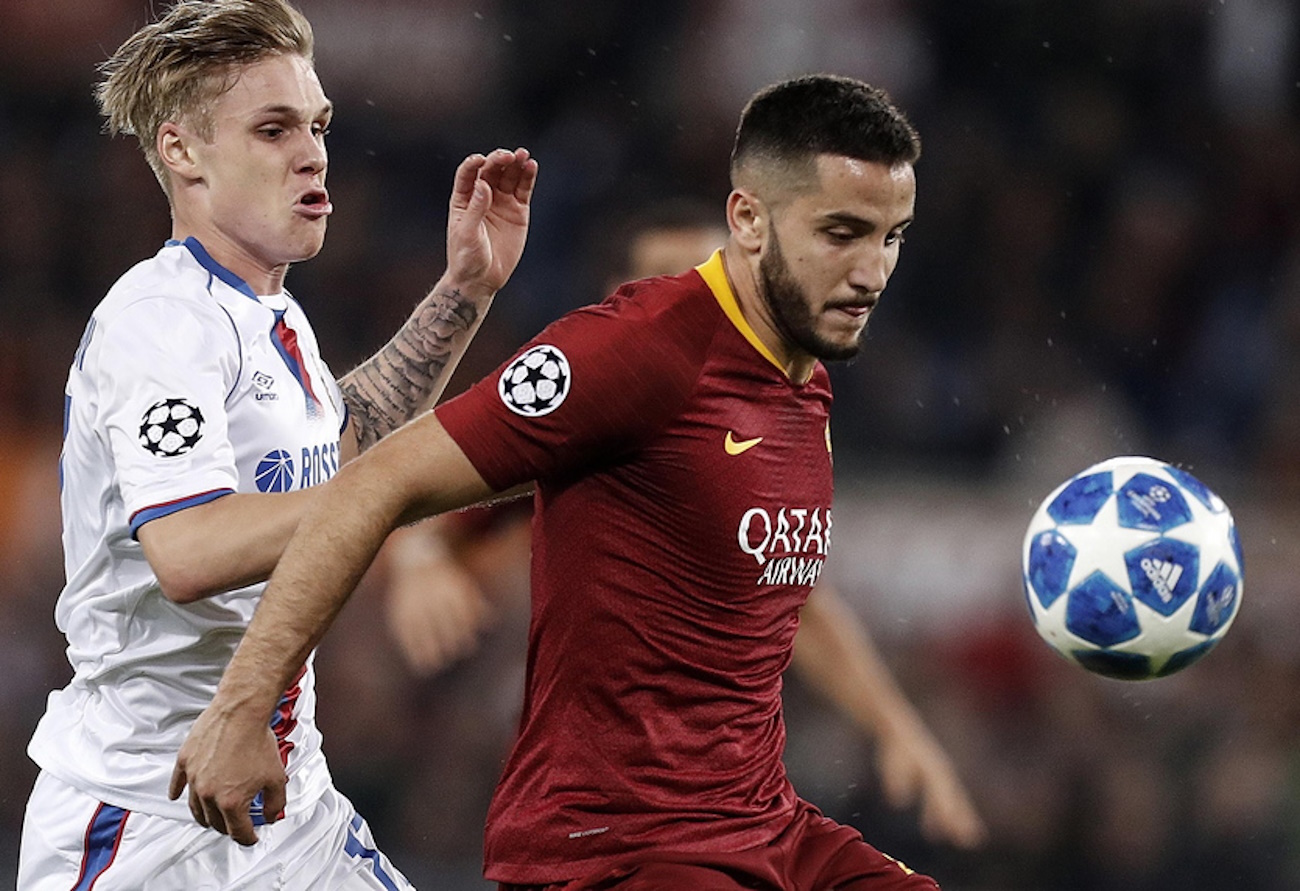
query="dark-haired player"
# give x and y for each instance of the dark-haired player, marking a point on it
(678, 436)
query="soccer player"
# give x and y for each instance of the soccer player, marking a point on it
(678, 434)
(199, 417)
(432, 571)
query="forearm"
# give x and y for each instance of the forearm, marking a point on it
(836, 656)
(418, 471)
(487, 222)
(316, 575)
(406, 377)
(225, 544)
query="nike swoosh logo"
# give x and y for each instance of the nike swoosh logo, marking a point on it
(735, 447)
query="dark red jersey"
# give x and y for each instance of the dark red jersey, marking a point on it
(682, 515)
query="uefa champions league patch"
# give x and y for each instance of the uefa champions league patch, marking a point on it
(536, 383)
(171, 427)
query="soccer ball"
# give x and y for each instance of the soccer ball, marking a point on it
(1132, 569)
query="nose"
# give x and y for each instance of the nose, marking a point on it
(871, 271)
(313, 158)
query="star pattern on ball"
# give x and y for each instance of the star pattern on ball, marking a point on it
(1101, 546)
(1132, 568)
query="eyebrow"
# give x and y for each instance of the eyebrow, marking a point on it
(849, 219)
(290, 111)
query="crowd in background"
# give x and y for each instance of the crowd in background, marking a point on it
(1105, 260)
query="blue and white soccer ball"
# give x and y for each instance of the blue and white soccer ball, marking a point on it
(1132, 569)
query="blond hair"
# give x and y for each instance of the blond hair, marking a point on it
(172, 69)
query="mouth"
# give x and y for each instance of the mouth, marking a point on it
(856, 309)
(314, 204)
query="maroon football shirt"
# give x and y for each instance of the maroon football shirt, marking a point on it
(682, 515)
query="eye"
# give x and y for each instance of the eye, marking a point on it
(895, 237)
(271, 131)
(320, 130)
(841, 234)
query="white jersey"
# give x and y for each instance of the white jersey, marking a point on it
(186, 387)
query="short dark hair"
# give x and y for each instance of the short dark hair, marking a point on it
(796, 120)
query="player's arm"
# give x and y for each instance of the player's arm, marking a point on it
(487, 225)
(222, 545)
(834, 653)
(230, 754)
(236, 540)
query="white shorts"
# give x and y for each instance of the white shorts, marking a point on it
(72, 842)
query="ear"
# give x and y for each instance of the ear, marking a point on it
(176, 147)
(748, 219)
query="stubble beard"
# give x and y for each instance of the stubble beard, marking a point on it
(788, 302)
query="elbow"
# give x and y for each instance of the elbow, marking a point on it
(179, 575)
(178, 584)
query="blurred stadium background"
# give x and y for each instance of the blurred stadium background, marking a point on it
(1106, 260)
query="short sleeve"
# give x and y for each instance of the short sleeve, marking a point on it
(588, 389)
(165, 369)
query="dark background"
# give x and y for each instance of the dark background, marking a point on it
(1106, 260)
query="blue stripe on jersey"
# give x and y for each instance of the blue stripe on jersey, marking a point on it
(67, 418)
(205, 260)
(354, 847)
(145, 514)
(103, 835)
(79, 358)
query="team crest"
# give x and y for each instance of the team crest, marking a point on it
(171, 427)
(274, 472)
(535, 383)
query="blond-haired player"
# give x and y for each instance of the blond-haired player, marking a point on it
(200, 416)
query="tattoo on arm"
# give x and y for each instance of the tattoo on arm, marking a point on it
(409, 373)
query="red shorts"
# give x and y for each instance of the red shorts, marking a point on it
(813, 854)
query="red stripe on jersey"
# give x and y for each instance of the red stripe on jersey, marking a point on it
(288, 339)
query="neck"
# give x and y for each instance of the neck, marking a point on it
(261, 278)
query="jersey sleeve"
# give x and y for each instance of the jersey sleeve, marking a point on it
(588, 389)
(165, 369)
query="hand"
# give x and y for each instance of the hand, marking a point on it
(436, 609)
(487, 223)
(227, 760)
(915, 770)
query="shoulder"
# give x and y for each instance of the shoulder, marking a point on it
(163, 307)
(662, 319)
(168, 284)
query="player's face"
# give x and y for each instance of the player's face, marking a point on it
(830, 252)
(264, 201)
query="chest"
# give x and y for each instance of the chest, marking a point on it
(282, 411)
(748, 463)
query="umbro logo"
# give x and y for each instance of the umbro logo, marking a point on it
(739, 446)
(265, 384)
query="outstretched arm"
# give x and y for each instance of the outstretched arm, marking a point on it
(236, 540)
(230, 754)
(487, 225)
(834, 653)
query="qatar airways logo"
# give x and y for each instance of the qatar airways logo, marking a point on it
(790, 545)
